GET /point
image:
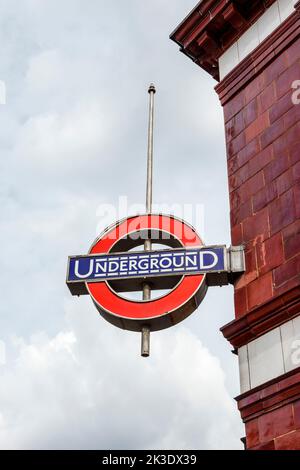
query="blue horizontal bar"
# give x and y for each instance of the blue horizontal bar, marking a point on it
(102, 267)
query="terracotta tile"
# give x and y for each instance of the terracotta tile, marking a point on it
(259, 161)
(251, 398)
(284, 82)
(256, 226)
(280, 107)
(232, 165)
(252, 186)
(240, 302)
(249, 411)
(233, 106)
(235, 199)
(292, 52)
(291, 117)
(234, 127)
(267, 97)
(289, 441)
(250, 112)
(257, 127)
(282, 211)
(271, 253)
(280, 146)
(241, 212)
(266, 446)
(275, 423)
(260, 290)
(270, 390)
(254, 88)
(276, 68)
(293, 135)
(237, 235)
(239, 177)
(289, 381)
(252, 433)
(296, 190)
(285, 181)
(278, 399)
(264, 197)
(294, 152)
(297, 414)
(291, 240)
(287, 286)
(251, 269)
(296, 172)
(248, 152)
(271, 134)
(276, 167)
(236, 144)
(287, 271)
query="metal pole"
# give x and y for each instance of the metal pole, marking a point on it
(151, 92)
(145, 348)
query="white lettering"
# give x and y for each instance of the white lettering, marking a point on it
(154, 263)
(191, 260)
(143, 264)
(101, 266)
(178, 261)
(211, 265)
(113, 266)
(124, 265)
(83, 276)
(132, 264)
(165, 262)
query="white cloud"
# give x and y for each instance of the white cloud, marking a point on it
(93, 390)
(49, 140)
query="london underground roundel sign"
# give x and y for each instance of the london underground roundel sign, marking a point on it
(182, 269)
(160, 269)
(163, 311)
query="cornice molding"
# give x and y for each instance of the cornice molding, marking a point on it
(269, 396)
(213, 26)
(260, 58)
(263, 319)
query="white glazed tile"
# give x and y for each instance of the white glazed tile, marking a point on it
(296, 323)
(287, 337)
(262, 28)
(295, 357)
(248, 42)
(244, 369)
(265, 358)
(228, 60)
(286, 8)
(268, 22)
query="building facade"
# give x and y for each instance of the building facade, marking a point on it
(253, 50)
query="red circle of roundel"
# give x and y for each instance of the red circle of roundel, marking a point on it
(158, 313)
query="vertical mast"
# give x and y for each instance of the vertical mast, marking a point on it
(145, 348)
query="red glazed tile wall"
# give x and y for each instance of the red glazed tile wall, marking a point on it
(263, 148)
(271, 414)
(276, 430)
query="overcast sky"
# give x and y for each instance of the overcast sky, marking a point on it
(72, 140)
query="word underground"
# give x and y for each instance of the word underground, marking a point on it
(165, 262)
